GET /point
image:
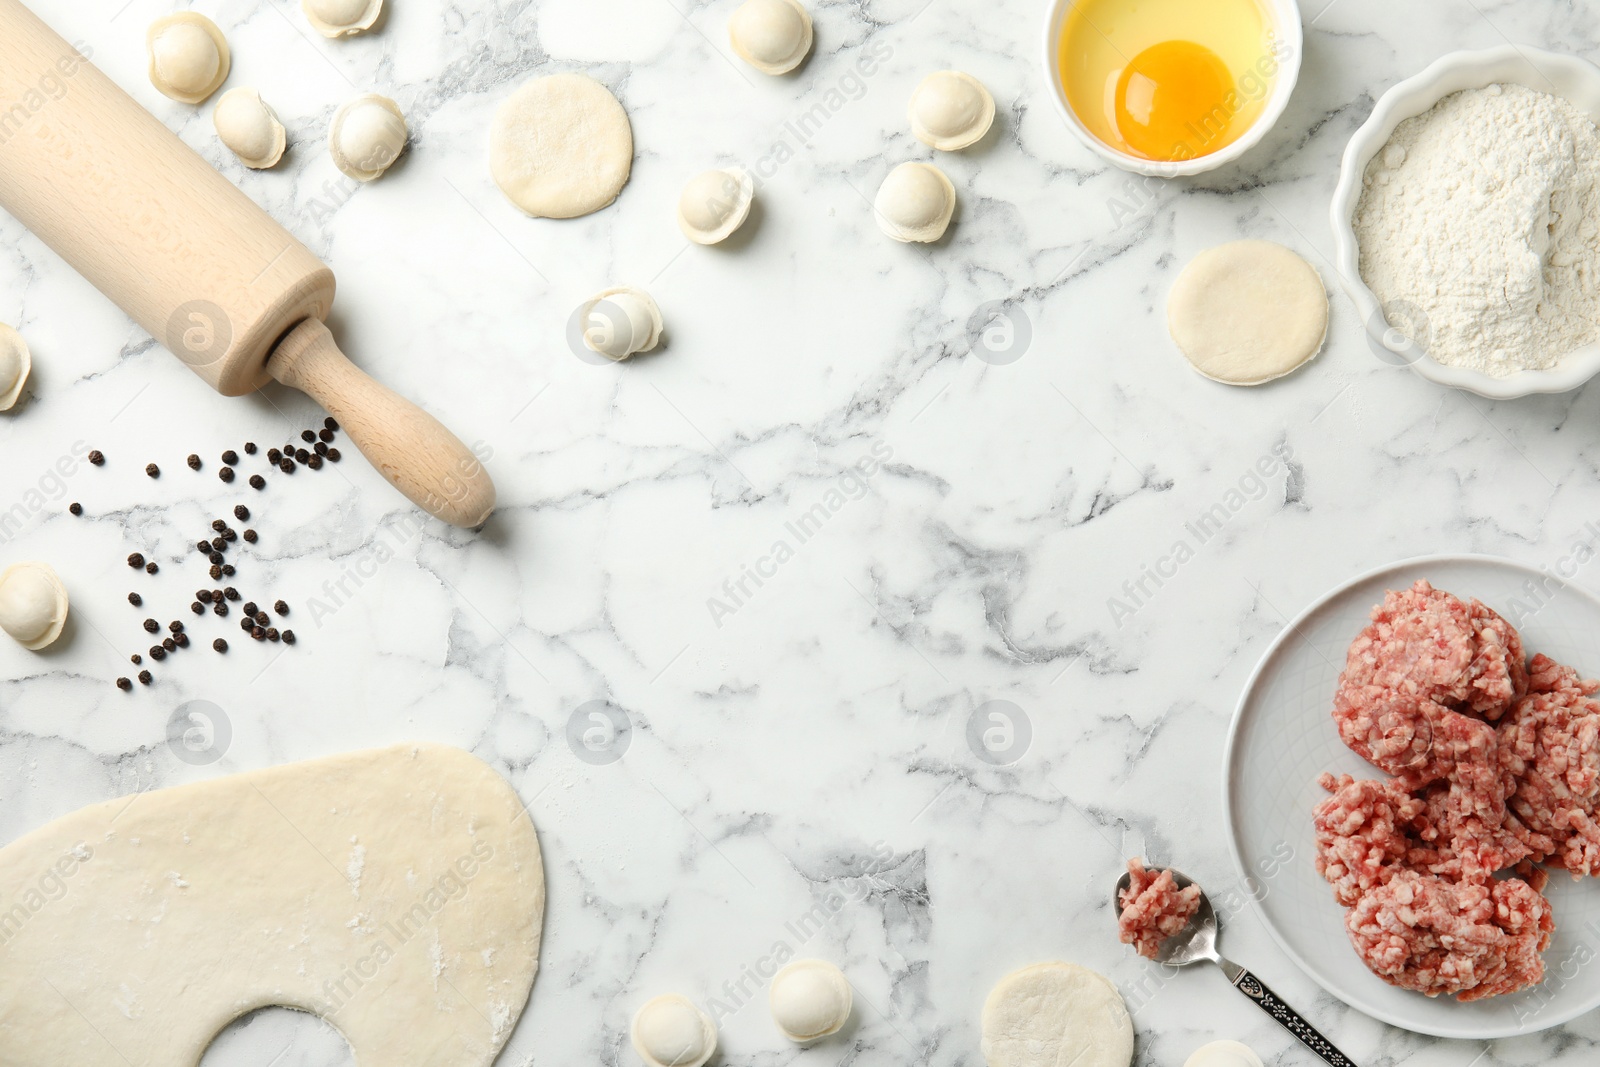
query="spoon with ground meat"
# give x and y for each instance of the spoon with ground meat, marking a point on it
(1168, 919)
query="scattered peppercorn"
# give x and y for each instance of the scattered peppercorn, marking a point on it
(75, 507)
(124, 685)
(226, 474)
(257, 482)
(249, 448)
(145, 678)
(152, 470)
(250, 607)
(170, 645)
(194, 462)
(203, 546)
(287, 465)
(247, 625)
(288, 637)
(262, 618)
(220, 608)
(333, 455)
(274, 456)
(216, 572)
(258, 633)
(135, 599)
(158, 653)
(216, 594)
(220, 645)
(320, 448)
(175, 626)
(230, 534)
(218, 544)
(230, 457)
(250, 535)
(151, 626)
(273, 634)
(203, 595)
(281, 607)
(326, 435)
(151, 568)
(301, 456)
(97, 457)
(308, 435)
(330, 423)
(181, 640)
(218, 525)
(315, 462)
(216, 557)
(135, 560)
(231, 593)
(228, 571)
(241, 513)
(197, 608)
(137, 659)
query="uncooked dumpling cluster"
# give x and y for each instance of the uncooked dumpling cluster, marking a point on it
(949, 111)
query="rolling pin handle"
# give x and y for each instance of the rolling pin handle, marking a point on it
(409, 447)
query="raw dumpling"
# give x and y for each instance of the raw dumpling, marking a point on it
(915, 203)
(715, 204)
(189, 57)
(621, 322)
(810, 999)
(366, 136)
(33, 604)
(951, 110)
(342, 18)
(249, 128)
(15, 364)
(772, 36)
(669, 1031)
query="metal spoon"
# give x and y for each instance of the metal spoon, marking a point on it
(1198, 941)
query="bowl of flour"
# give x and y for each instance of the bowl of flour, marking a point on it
(1466, 222)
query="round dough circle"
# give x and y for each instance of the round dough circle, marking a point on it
(249, 128)
(1247, 312)
(189, 56)
(915, 203)
(1223, 1054)
(810, 999)
(772, 36)
(561, 146)
(33, 604)
(951, 110)
(670, 1031)
(366, 136)
(1056, 1013)
(15, 364)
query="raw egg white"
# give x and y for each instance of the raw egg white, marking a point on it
(1168, 79)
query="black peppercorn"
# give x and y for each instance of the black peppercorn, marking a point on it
(97, 457)
(197, 608)
(135, 599)
(220, 608)
(259, 633)
(228, 571)
(250, 607)
(250, 535)
(333, 455)
(218, 525)
(326, 435)
(226, 474)
(329, 423)
(230, 457)
(145, 678)
(257, 482)
(124, 685)
(194, 462)
(274, 456)
(247, 625)
(230, 534)
(220, 645)
(320, 448)
(151, 626)
(216, 594)
(152, 470)
(249, 448)
(272, 633)
(217, 558)
(170, 644)
(75, 507)
(203, 595)
(301, 456)
(218, 544)
(315, 462)
(231, 593)
(135, 560)
(216, 572)
(175, 626)
(151, 568)
(308, 435)
(241, 513)
(181, 640)
(203, 547)
(262, 618)
(158, 653)
(136, 658)
(288, 637)
(287, 466)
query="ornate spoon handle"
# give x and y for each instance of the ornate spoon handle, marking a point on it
(1273, 1005)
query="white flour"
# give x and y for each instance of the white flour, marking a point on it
(1478, 229)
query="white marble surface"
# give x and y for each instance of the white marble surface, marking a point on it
(823, 722)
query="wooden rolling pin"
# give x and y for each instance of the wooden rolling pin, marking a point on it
(194, 261)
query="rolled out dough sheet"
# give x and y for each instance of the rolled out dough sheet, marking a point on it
(396, 893)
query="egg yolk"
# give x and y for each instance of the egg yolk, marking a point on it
(1171, 101)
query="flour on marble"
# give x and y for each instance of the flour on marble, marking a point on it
(1481, 215)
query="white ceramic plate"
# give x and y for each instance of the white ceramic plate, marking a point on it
(1575, 79)
(1283, 737)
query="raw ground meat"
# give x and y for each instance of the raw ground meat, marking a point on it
(1421, 932)
(1154, 908)
(1423, 642)
(1550, 745)
(1496, 766)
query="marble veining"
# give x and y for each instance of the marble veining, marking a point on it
(736, 750)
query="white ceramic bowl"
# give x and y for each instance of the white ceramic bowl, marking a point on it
(1283, 736)
(1285, 21)
(1575, 79)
